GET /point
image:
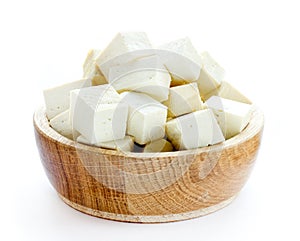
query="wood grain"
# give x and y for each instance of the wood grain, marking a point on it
(147, 187)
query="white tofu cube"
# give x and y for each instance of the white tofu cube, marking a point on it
(181, 59)
(232, 116)
(124, 48)
(89, 63)
(57, 99)
(197, 129)
(147, 75)
(126, 144)
(184, 99)
(227, 91)
(161, 145)
(97, 113)
(61, 123)
(91, 70)
(211, 74)
(146, 118)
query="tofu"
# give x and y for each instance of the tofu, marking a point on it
(97, 113)
(146, 117)
(146, 75)
(124, 48)
(181, 59)
(91, 70)
(57, 99)
(197, 129)
(61, 123)
(89, 62)
(227, 91)
(184, 99)
(161, 145)
(211, 76)
(126, 144)
(232, 116)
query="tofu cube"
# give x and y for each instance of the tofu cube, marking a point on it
(124, 48)
(184, 99)
(227, 91)
(197, 129)
(57, 99)
(91, 70)
(61, 123)
(181, 59)
(232, 116)
(211, 74)
(97, 113)
(146, 118)
(146, 75)
(161, 145)
(89, 63)
(126, 144)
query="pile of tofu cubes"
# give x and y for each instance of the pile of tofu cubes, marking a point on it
(136, 97)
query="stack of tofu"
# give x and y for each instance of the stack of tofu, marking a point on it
(136, 97)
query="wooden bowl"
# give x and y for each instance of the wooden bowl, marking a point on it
(147, 187)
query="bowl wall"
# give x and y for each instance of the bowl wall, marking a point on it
(147, 187)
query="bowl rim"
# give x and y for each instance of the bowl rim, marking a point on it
(255, 125)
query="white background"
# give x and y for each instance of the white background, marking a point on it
(43, 43)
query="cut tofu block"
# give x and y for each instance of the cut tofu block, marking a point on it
(126, 144)
(181, 59)
(97, 113)
(147, 75)
(211, 74)
(57, 99)
(91, 70)
(161, 145)
(124, 48)
(61, 123)
(227, 91)
(197, 129)
(232, 116)
(184, 99)
(146, 118)
(89, 63)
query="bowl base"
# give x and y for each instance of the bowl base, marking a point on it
(148, 219)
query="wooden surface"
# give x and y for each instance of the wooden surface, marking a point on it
(147, 187)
